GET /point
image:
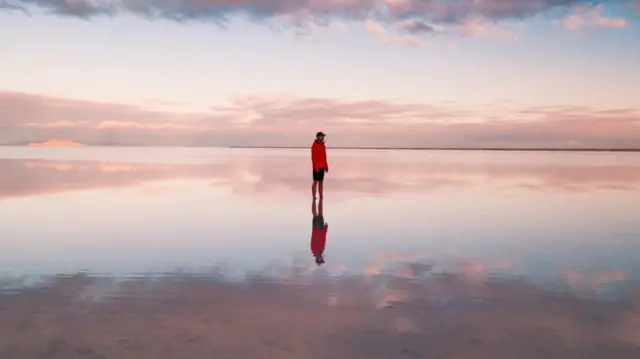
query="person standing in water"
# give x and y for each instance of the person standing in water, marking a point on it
(318, 232)
(320, 165)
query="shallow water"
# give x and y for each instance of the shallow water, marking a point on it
(199, 253)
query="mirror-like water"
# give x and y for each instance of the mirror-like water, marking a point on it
(206, 253)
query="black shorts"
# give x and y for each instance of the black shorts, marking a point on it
(318, 222)
(318, 175)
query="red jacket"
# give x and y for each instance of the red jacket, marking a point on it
(318, 240)
(319, 155)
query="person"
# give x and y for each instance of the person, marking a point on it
(319, 162)
(318, 232)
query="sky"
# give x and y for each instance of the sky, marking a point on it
(397, 73)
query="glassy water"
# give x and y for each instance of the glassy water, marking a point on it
(206, 253)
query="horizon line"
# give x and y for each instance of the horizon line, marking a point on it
(585, 149)
(549, 149)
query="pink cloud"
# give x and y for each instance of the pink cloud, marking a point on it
(590, 17)
(474, 28)
(288, 121)
(480, 27)
(374, 27)
(405, 40)
(150, 126)
(52, 124)
(378, 30)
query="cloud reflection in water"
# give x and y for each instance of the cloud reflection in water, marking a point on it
(417, 310)
(278, 176)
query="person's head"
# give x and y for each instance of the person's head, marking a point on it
(320, 260)
(320, 136)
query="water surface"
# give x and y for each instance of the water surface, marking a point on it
(133, 252)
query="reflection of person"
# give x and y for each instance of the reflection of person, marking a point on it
(318, 232)
(319, 161)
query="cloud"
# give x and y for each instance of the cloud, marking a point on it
(288, 121)
(480, 27)
(32, 118)
(378, 30)
(149, 126)
(405, 16)
(592, 17)
(374, 27)
(417, 27)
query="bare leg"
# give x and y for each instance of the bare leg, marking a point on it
(320, 203)
(313, 208)
(320, 190)
(314, 189)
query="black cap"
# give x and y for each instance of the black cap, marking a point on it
(320, 134)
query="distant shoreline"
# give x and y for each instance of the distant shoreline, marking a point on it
(496, 149)
(456, 149)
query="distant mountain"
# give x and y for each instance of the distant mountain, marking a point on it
(56, 143)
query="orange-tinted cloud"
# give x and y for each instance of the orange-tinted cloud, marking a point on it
(289, 121)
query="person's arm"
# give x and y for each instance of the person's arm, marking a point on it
(326, 161)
